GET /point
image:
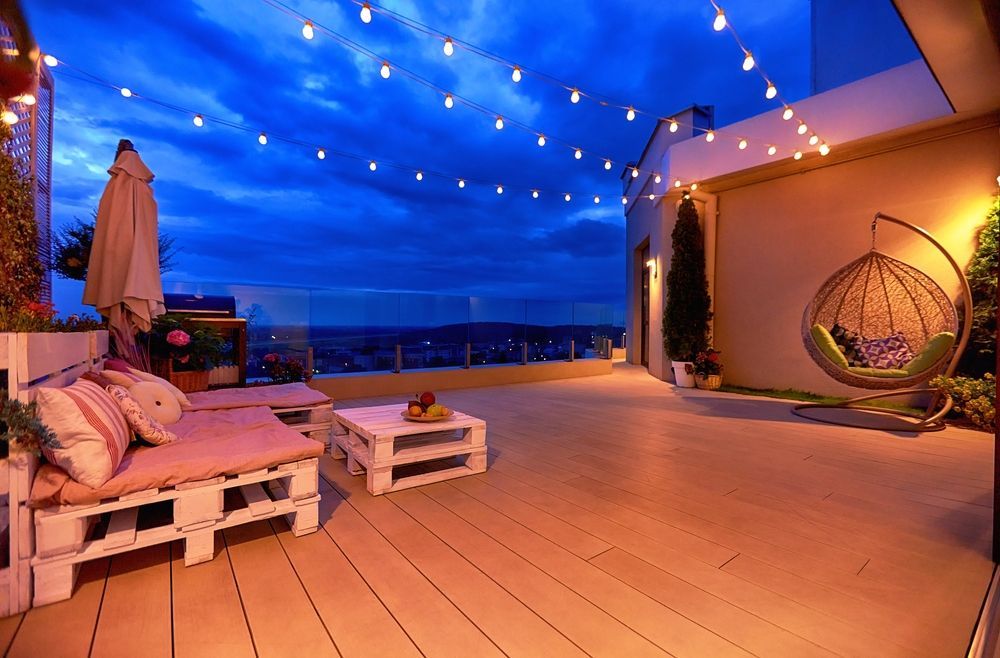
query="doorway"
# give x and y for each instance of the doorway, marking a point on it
(644, 306)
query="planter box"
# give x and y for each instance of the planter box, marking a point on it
(189, 381)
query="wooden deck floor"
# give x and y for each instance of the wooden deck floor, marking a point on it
(618, 518)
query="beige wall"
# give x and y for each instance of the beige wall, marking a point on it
(778, 240)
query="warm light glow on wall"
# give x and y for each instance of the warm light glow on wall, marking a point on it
(651, 266)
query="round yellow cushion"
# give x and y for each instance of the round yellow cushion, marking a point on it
(156, 401)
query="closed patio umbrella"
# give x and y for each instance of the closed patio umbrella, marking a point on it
(123, 277)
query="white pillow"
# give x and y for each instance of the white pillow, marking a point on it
(90, 428)
(156, 401)
(177, 393)
(142, 423)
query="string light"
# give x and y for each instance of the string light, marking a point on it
(126, 92)
(673, 125)
(824, 149)
(567, 197)
(607, 165)
(198, 120)
(50, 61)
(577, 154)
(420, 175)
(771, 150)
(742, 144)
(372, 166)
(694, 186)
(719, 24)
(449, 47)
(384, 71)
(534, 194)
(635, 172)
(771, 91)
(624, 200)
(515, 75)
(748, 61)
(499, 189)
(798, 155)
(499, 123)
(813, 139)
(677, 182)
(307, 31)
(788, 113)
(630, 114)
(461, 183)
(449, 102)
(262, 139)
(597, 199)
(366, 13)
(710, 136)
(541, 140)
(8, 117)
(657, 179)
(26, 99)
(802, 129)
(574, 96)
(652, 197)
(321, 154)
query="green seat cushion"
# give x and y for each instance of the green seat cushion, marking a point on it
(888, 373)
(828, 346)
(936, 347)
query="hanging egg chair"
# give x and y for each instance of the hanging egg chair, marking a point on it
(879, 323)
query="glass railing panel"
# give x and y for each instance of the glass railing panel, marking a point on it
(433, 330)
(496, 330)
(353, 330)
(549, 330)
(591, 322)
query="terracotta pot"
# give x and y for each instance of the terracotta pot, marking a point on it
(683, 373)
(190, 381)
(708, 382)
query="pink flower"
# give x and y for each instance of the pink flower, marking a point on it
(178, 338)
(713, 356)
(41, 309)
(184, 359)
(272, 358)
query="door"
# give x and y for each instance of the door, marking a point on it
(644, 305)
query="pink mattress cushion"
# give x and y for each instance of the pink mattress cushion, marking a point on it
(210, 443)
(276, 396)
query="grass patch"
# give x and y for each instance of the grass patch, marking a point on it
(806, 396)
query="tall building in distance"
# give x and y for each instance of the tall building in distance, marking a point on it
(32, 145)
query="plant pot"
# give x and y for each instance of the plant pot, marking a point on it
(683, 373)
(708, 382)
(189, 381)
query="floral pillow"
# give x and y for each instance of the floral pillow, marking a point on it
(883, 353)
(144, 425)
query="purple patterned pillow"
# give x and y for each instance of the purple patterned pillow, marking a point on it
(883, 353)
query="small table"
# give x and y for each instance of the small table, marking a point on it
(379, 439)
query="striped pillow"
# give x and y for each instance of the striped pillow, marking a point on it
(91, 430)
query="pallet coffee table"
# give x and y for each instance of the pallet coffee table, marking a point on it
(398, 454)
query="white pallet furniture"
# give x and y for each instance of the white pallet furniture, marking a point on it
(315, 421)
(32, 360)
(379, 441)
(197, 510)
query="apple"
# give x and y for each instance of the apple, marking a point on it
(427, 398)
(414, 409)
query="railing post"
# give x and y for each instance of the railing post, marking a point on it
(399, 359)
(310, 364)
(572, 350)
(468, 356)
(524, 353)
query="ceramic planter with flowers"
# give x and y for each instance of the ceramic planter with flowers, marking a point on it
(184, 352)
(708, 369)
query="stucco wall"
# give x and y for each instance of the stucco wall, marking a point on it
(779, 240)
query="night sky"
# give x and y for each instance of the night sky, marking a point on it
(241, 212)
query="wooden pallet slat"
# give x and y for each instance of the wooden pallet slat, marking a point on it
(121, 528)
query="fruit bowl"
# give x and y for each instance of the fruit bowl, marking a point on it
(427, 419)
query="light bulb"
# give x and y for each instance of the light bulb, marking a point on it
(748, 61)
(321, 154)
(788, 113)
(607, 165)
(262, 139)
(126, 92)
(630, 114)
(27, 99)
(624, 200)
(597, 199)
(694, 186)
(534, 194)
(307, 30)
(674, 125)
(798, 155)
(771, 91)
(499, 123)
(385, 72)
(719, 24)
(824, 149)
(771, 150)
(567, 197)
(813, 139)
(499, 189)
(198, 120)
(710, 136)
(420, 175)
(8, 117)
(677, 182)
(366, 13)
(449, 47)
(635, 172)
(742, 144)
(372, 166)
(652, 197)
(50, 61)
(449, 102)
(541, 140)
(574, 96)
(577, 154)
(515, 75)
(657, 179)
(461, 183)
(802, 128)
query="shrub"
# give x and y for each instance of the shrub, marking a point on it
(981, 354)
(686, 315)
(975, 398)
(20, 268)
(20, 426)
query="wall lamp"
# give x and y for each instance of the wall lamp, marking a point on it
(651, 266)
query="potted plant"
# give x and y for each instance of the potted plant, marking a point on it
(283, 370)
(708, 369)
(687, 311)
(184, 352)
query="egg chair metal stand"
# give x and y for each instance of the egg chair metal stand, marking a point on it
(878, 295)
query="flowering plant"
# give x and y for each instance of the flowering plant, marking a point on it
(193, 347)
(282, 370)
(179, 338)
(41, 317)
(975, 398)
(707, 363)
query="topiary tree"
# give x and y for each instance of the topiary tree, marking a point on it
(20, 268)
(980, 356)
(686, 316)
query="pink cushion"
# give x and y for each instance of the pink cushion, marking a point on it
(116, 364)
